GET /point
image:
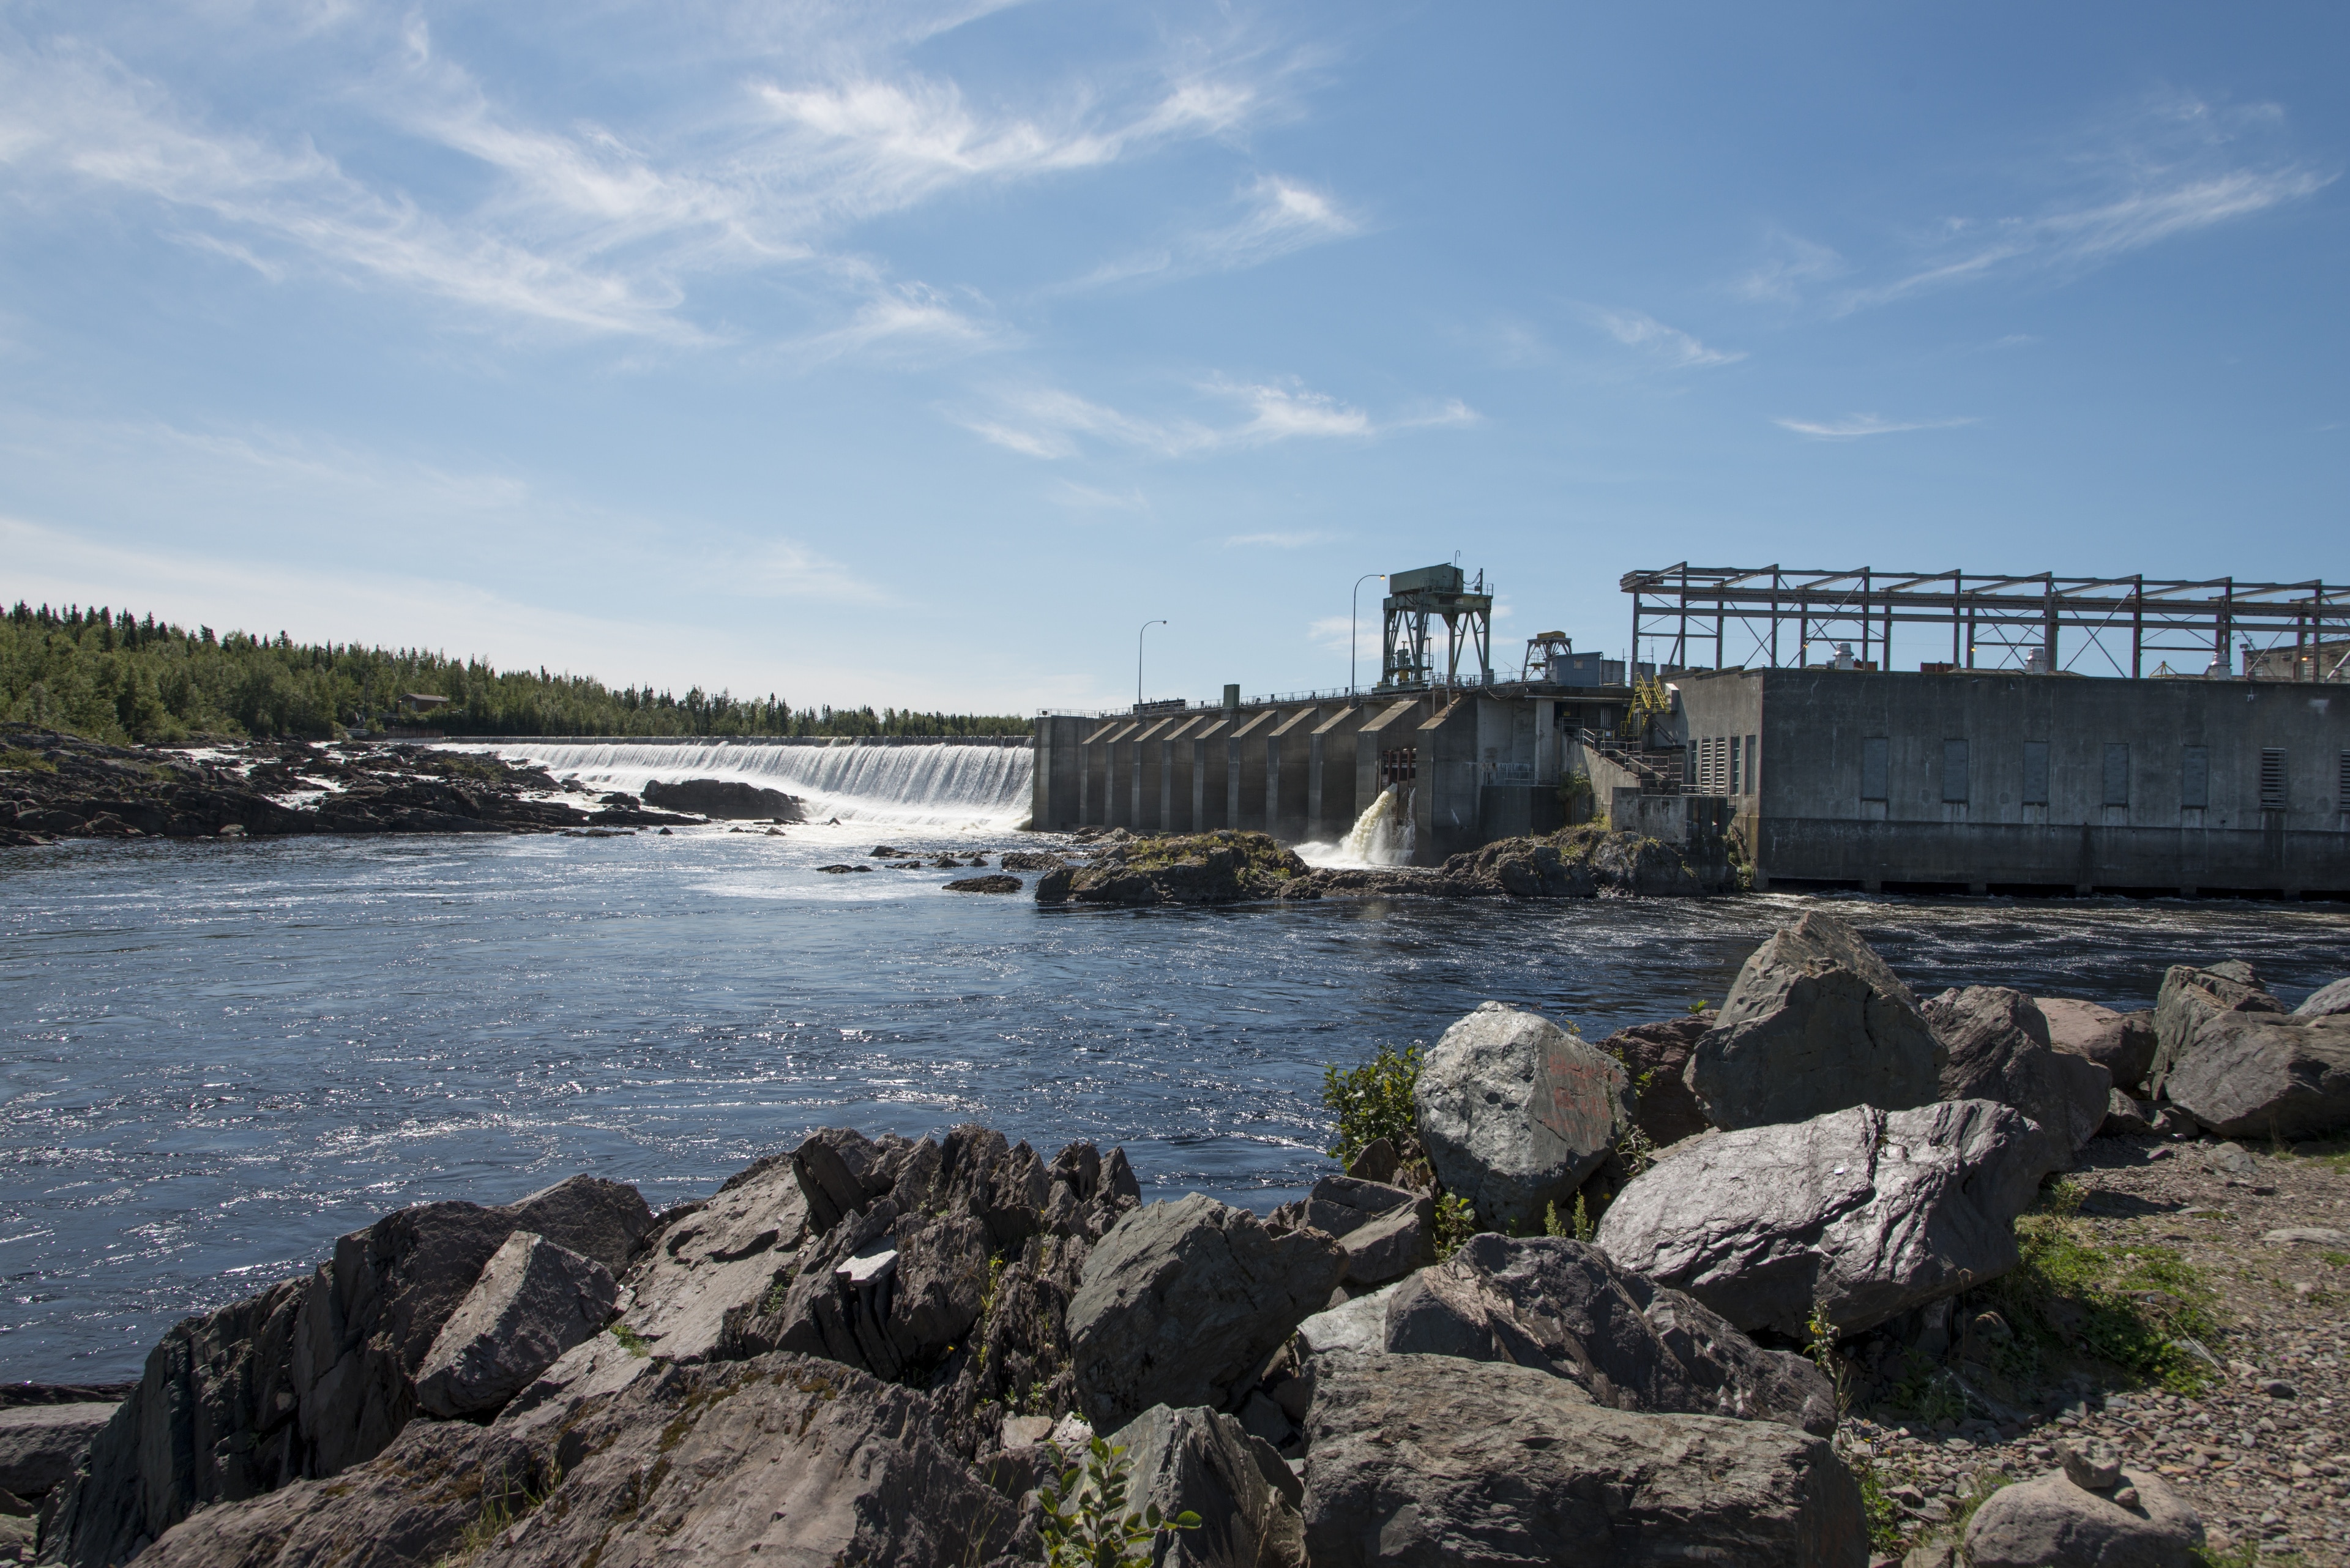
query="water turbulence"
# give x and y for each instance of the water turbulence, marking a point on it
(1382, 834)
(974, 786)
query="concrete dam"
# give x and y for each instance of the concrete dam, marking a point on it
(2006, 767)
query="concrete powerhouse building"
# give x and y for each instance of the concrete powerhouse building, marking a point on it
(2001, 769)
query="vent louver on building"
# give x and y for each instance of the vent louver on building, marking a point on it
(2272, 778)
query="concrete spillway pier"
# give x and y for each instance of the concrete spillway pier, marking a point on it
(1471, 766)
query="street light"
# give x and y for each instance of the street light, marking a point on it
(1138, 662)
(1354, 609)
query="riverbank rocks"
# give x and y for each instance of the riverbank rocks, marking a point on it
(998, 884)
(1515, 1112)
(2120, 1043)
(1654, 1057)
(1860, 1214)
(713, 1257)
(41, 1445)
(312, 1375)
(1387, 1231)
(1222, 867)
(2263, 1074)
(782, 1458)
(729, 800)
(1425, 1461)
(2188, 999)
(1245, 1494)
(1182, 1304)
(533, 1301)
(2326, 1002)
(1562, 1307)
(1815, 1022)
(1997, 1040)
(1034, 860)
(2139, 1523)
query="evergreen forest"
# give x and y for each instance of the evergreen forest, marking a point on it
(109, 676)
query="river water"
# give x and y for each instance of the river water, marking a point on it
(219, 1056)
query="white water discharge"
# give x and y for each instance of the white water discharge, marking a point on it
(1380, 836)
(946, 787)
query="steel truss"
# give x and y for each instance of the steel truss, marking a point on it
(1995, 622)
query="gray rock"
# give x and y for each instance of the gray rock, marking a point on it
(2326, 1002)
(1515, 1112)
(312, 1375)
(1814, 1023)
(1387, 1231)
(2190, 998)
(1996, 1041)
(2051, 1522)
(2318, 1235)
(731, 799)
(2229, 1159)
(2093, 1470)
(1561, 1306)
(2126, 1117)
(1183, 1303)
(1358, 1325)
(2255, 1075)
(1246, 1496)
(1423, 1461)
(1863, 1212)
(1376, 1161)
(1656, 1056)
(782, 1458)
(42, 1445)
(2120, 1043)
(533, 1301)
(713, 1258)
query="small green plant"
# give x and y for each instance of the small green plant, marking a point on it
(1883, 1514)
(777, 1294)
(1633, 1146)
(1822, 1351)
(1087, 1524)
(1583, 1228)
(1699, 1005)
(504, 1503)
(2335, 1260)
(1928, 1390)
(19, 759)
(1374, 1101)
(1456, 1221)
(1551, 1227)
(2063, 1196)
(632, 1342)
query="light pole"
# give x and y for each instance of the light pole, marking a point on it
(1353, 611)
(1137, 662)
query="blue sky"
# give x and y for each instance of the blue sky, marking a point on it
(918, 354)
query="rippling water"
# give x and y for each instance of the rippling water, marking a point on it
(219, 1056)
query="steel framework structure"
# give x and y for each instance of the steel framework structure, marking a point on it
(1994, 621)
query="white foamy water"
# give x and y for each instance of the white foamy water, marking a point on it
(1380, 836)
(947, 787)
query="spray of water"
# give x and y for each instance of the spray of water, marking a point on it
(1382, 834)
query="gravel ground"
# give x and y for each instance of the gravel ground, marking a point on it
(2262, 1451)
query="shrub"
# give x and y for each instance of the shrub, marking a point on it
(1374, 1102)
(1087, 1524)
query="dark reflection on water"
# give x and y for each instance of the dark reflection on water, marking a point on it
(219, 1057)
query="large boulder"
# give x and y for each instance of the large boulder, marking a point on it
(311, 1375)
(713, 1257)
(2120, 1043)
(1426, 1461)
(1386, 1230)
(1222, 867)
(1564, 1307)
(1656, 1057)
(533, 1301)
(1245, 1494)
(1183, 1304)
(41, 1445)
(2190, 998)
(1998, 1044)
(2051, 1520)
(1861, 1214)
(1815, 1022)
(2327, 1001)
(731, 799)
(782, 1458)
(2260, 1075)
(1516, 1113)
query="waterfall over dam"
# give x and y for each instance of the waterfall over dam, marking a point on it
(977, 784)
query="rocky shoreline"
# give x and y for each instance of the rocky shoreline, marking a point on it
(1833, 1276)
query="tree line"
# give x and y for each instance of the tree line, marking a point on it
(109, 676)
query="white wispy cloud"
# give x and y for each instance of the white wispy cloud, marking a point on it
(1791, 265)
(1087, 498)
(1855, 425)
(604, 228)
(1297, 541)
(1048, 422)
(1277, 216)
(1670, 345)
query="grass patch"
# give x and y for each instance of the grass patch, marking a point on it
(17, 759)
(2129, 1303)
(1881, 1512)
(632, 1342)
